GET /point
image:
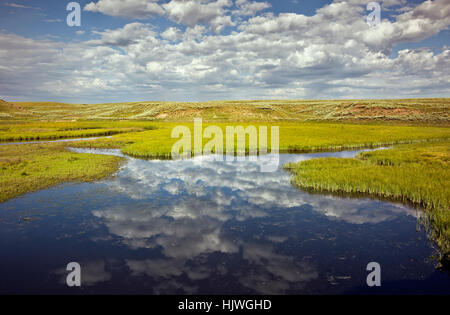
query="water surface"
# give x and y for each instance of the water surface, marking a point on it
(206, 227)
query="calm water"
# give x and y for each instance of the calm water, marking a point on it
(205, 227)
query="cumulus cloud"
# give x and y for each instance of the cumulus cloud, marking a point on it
(130, 34)
(138, 9)
(216, 14)
(246, 7)
(288, 55)
(172, 33)
(194, 12)
(427, 19)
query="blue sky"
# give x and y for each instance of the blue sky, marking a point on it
(196, 50)
(43, 18)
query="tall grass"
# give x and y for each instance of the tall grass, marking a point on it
(417, 173)
(294, 137)
(20, 131)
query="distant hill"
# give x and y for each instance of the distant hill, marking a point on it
(4, 105)
(5, 109)
(407, 111)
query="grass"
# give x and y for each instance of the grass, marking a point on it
(416, 173)
(26, 131)
(31, 167)
(294, 137)
(53, 135)
(429, 111)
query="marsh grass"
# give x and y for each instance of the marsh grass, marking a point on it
(23, 131)
(294, 137)
(418, 174)
(31, 167)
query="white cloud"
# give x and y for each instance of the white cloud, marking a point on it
(20, 6)
(427, 19)
(130, 34)
(138, 9)
(53, 20)
(194, 12)
(217, 14)
(266, 56)
(172, 33)
(246, 7)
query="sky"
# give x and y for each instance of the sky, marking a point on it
(200, 50)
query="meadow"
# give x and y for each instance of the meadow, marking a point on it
(425, 111)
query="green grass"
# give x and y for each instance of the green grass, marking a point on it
(294, 137)
(417, 173)
(53, 135)
(31, 167)
(26, 131)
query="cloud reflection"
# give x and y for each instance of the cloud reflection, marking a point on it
(184, 209)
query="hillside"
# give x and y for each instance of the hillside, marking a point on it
(408, 110)
(5, 109)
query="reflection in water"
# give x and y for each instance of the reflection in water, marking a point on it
(201, 226)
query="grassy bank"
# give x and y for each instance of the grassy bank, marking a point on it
(31, 167)
(415, 173)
